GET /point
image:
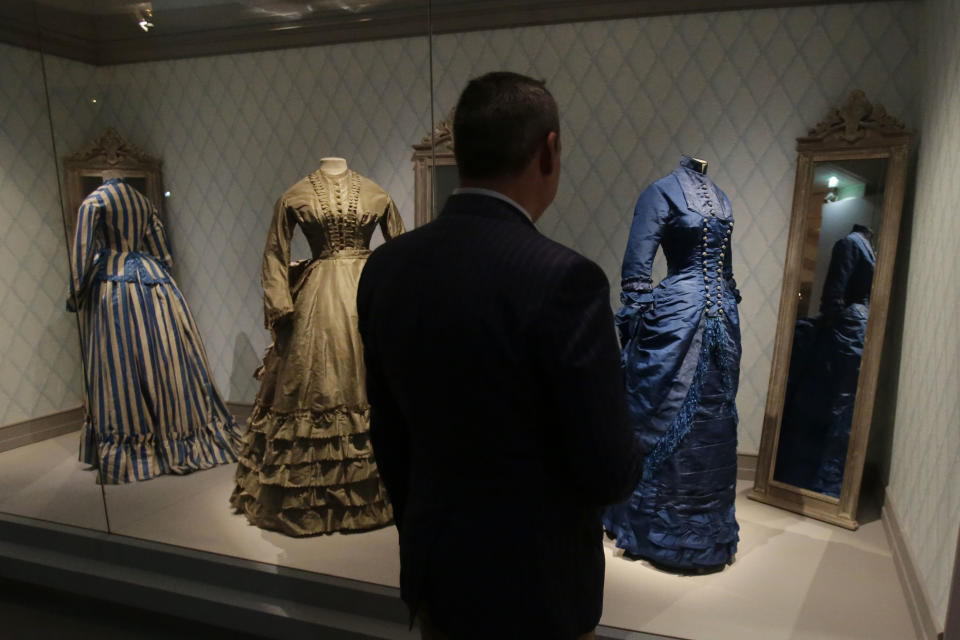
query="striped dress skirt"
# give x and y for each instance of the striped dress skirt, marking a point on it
(152, 407)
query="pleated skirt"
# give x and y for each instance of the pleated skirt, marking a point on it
(306, 463)
(681, 514)
(152, 407)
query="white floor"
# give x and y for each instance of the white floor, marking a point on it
(794, 578)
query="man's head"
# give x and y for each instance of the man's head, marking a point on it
(506, 136)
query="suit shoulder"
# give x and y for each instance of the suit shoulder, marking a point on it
(402, 245)
(561, 262)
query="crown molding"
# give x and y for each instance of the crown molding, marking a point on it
(113, 37)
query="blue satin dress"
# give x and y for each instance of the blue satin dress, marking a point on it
(824, 369)
(681, 357)
(846, 307)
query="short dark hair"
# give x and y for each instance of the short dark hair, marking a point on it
(500, 120)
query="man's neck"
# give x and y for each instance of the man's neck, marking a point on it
(510, 188)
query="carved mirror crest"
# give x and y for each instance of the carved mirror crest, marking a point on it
(109, 156)
(848, 196)
(435, 171)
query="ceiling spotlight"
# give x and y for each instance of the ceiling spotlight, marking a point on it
(833, 181)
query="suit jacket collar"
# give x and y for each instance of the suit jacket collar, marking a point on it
(484, 206)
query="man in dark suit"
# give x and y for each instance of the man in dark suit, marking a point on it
(498, 410)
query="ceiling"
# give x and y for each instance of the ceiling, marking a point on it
(110, 31)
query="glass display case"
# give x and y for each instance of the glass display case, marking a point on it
(157, 158)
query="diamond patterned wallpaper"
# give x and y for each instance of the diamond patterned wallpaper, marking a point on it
(234, 132)
(735, 88)
(925, 466)
(40, 369)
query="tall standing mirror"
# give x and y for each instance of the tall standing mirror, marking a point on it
(435, 171)
(848, 197)
(109, 156)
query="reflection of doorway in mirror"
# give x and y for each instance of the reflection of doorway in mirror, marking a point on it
(845, 193)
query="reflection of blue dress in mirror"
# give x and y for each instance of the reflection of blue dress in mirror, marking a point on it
(681, 355)
(824, 369)
(844, 309)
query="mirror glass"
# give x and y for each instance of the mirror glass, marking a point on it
(843, 220)
(446, 179)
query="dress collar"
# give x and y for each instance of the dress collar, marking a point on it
(702, 196)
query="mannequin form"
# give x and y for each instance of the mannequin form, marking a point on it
(333, 166)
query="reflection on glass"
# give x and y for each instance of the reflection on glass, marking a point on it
(447, 179)
(843, 214)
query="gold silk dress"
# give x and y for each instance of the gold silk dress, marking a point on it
(306, 464)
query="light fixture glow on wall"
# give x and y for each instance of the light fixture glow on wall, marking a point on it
(833, 181)
(144, 13)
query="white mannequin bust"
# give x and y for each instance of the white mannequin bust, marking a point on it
(333, 166)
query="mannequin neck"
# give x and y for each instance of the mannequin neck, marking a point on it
(333, 166)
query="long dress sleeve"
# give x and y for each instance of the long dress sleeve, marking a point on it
(731, 282)
(838, 275)
(86, 243)
(274, 274)
(636, 282)
(155, 241)
(391, 224)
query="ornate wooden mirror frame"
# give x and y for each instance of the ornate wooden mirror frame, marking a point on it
(109, 156)
(857, 131)
(435, 150)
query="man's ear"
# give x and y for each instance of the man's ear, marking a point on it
(549, 153)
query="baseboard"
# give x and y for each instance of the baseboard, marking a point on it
(56, 424)
(746, 466)
(38, 429)
(921, 611)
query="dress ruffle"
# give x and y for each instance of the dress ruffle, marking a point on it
(684, 533)
(132, 457)
(310, 472)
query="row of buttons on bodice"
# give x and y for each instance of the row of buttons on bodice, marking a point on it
(341, 221)
(714, 302)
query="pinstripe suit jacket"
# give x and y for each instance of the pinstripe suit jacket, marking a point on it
(498, 420)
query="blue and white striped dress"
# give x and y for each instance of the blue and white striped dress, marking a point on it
(151, 404)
